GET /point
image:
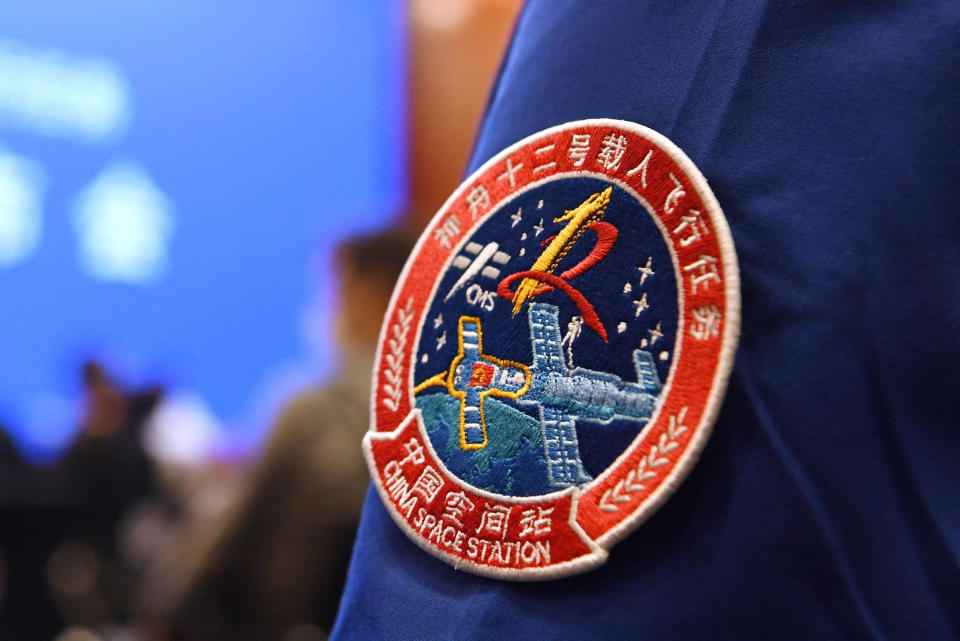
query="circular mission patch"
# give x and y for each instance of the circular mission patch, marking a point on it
(555, 352)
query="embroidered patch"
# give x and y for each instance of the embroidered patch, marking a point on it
(555, 352)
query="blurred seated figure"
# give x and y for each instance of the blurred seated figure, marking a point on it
(110, 474)
(8, 451)
(60, 522)
(106, 460)
(277, 569)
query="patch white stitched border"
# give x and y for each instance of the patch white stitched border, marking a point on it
(667, 184)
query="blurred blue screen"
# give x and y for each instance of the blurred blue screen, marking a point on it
(172, 177)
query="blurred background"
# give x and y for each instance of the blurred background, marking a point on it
(200, 205)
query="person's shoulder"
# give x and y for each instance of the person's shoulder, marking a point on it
(316, 408)
(308, 402)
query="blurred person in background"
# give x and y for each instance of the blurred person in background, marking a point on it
(67, 566)
(278, 566)
(106, 461)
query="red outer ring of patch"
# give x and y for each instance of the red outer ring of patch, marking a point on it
(584, 522)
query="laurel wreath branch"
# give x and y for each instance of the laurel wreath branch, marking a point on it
(396, 341)
(646, 468)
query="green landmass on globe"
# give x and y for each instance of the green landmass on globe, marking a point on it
(512, 463)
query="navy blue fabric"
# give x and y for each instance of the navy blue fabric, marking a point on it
(826, 504)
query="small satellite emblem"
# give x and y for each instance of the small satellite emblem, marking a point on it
(477, 259)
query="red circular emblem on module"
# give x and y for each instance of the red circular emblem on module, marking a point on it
(555, 353)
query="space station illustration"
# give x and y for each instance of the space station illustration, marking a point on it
(560, 393)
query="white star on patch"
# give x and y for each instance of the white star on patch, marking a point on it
(641, 305)
(442, 340)
(646, 270)
(538, 227)
(438, 321)
(516, 217)
(655, 333)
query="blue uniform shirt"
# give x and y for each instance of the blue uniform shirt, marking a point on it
(826, 504)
